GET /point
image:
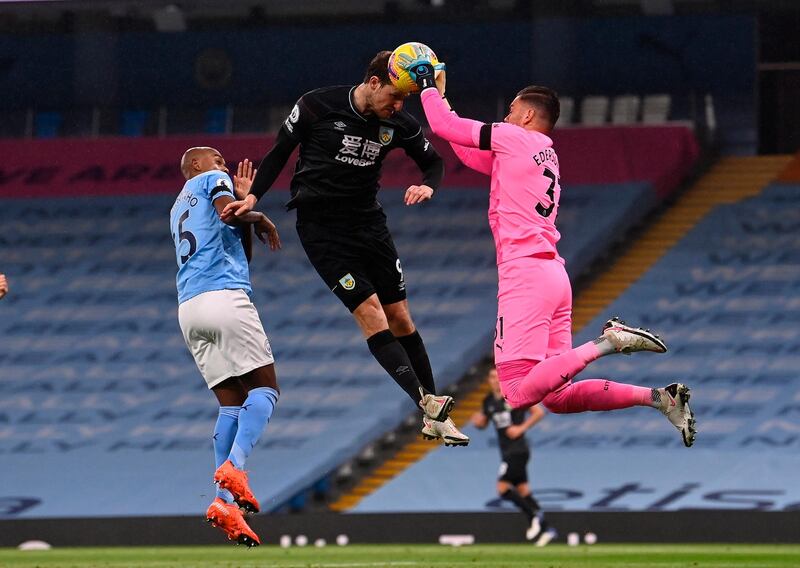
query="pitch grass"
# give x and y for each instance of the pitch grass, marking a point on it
(391, 556)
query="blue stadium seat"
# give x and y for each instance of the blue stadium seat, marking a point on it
(217, 120)
(134, 122)
(47, 124)
(94, 370)
(725, 299)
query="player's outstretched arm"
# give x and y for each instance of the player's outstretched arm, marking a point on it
(478, 160)
(266, 174)
(443, 122)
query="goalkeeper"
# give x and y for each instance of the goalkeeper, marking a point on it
(533, 345)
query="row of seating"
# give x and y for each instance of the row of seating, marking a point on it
(623, 109)
(93, 368)
(99, 121)
(725, 299)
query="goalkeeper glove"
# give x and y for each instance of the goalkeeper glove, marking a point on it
(422, 73)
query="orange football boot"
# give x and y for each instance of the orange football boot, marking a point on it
(230, 520)
(235, 481)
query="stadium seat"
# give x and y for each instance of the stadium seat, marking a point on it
(567, 111)
(725, 300)
(655, 109)
(47, 124)
(108, 343)
(594, 110)
(134, 122)
(625, 109)
(219, 120)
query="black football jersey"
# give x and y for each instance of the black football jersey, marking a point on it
(341, 151)
(500, 413)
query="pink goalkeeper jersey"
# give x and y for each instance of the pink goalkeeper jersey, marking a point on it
(523, 202)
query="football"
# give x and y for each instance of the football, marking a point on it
(401, 58)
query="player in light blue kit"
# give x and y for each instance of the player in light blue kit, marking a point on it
(221, 326)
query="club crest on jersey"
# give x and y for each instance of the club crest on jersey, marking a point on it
(347, 281)
(385, 135)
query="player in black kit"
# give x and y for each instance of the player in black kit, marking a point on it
(512, 482)
(344, 134)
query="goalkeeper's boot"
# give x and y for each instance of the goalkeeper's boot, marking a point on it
(627, 339)
(235, 481)
(447, 431)
(436, 407)
(673, 402)
(228, 517)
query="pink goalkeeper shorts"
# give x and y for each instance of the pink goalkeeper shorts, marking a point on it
(534, 310)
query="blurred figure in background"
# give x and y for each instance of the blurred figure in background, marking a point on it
(512, 482)
(3, 286)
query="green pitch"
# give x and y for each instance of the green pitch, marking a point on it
(366, 556)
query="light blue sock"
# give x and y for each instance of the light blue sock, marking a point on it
(224, 434)
(253, 419)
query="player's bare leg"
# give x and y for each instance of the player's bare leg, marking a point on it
(391, 355)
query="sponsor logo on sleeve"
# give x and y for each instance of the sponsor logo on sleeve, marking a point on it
(292, 119)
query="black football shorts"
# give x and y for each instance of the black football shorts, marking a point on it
(514, 468)
(355, 262)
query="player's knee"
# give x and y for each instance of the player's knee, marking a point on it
(401, 326)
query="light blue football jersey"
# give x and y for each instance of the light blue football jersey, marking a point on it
(209, 253)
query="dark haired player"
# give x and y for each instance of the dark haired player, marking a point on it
(512, 480)
(344, 133)
(533, 347)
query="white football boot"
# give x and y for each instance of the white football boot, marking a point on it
(535, 528)
(447, 431)
(436, 407)
(546, 537)
(673, 402)
(627, 339)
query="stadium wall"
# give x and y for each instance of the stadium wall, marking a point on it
(660, 155)
(680, 54)
(688, 526)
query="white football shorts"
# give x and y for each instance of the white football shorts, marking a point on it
(224, 334)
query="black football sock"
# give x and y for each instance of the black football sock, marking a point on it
(532, 502)
(394, 359)
(514, 496)
(418, 356)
